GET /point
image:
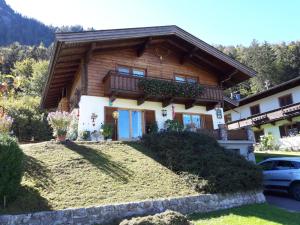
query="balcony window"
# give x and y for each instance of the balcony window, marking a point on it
(285, 100)
(131, 71)
(185, 78)
(254, 110)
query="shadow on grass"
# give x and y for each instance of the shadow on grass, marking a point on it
(259, 211)
(101, 161)
(27, 200)
(38, 172)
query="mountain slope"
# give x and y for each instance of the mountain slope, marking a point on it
(16, 28)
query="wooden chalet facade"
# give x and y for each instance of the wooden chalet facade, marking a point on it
(99, 72)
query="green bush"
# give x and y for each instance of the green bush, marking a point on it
(30, 122)
(193, 154)
(11, 167)
(173, 125)
(166, 218)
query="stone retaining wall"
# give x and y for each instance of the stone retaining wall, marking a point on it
(105, 214)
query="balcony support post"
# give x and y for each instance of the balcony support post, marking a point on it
(250, 133)
(223, 132)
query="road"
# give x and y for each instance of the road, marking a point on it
(283, 200)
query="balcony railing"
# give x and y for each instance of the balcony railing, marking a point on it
(267, 117)
(125, 85)
(226, 135)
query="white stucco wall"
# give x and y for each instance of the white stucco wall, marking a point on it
(92, 104)
(265, 104)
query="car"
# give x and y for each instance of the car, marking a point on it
(282, 174)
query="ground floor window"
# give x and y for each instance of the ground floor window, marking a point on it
(192, 121)
(289, 130)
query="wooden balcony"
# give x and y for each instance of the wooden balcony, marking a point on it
(286, 112)
(127, 86)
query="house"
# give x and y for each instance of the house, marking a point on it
(274, 111)
(147, 75)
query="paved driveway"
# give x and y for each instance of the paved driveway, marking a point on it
(283, 200)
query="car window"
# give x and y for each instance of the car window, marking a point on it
(296, 164)
(267, 165)
(284, 165)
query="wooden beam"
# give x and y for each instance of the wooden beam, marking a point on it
(113, 97)
(167, 102)
(141, 100)
(190, 104)
(188, 55)
(143, 47)
(89, 53)
(84, 76)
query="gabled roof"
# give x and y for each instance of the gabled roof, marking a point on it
(70, 48)
(271, 91)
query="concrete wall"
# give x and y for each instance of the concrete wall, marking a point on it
(106, 214)
(93, 104)
(266, 104)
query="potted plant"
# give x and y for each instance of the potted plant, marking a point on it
(107, 131)
(60, 122)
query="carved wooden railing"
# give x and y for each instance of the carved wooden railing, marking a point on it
(115, 82)
(267, 117)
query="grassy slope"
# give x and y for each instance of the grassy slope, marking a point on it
(252, 214)
(260, 156)
(59, 176)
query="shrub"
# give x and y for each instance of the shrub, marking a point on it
(5, 124)
(107, 130)
(266, 142)
(173, 125)
(11, 167)
(219, 170)
(85, 135)
(30, 122)
(165, 218)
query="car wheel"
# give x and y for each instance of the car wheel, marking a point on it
(295, 191)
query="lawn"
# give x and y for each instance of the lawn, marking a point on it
(258, 214)
(62, 176)
(260, 156)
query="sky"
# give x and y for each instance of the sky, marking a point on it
(226, 22)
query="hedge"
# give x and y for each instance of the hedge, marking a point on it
(203, 163)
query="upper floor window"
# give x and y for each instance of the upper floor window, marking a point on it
(131, 71)
(285, 100)
(185, 78)
(254, 110)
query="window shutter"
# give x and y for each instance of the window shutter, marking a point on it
(108, 119)
(178, 117)
(207, 122)
(149, 119)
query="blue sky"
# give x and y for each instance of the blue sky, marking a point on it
(228, 22)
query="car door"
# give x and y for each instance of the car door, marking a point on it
(282, 174)
(267, 168)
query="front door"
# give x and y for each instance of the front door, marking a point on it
(130, 124)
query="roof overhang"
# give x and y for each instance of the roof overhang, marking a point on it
(70, 48)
